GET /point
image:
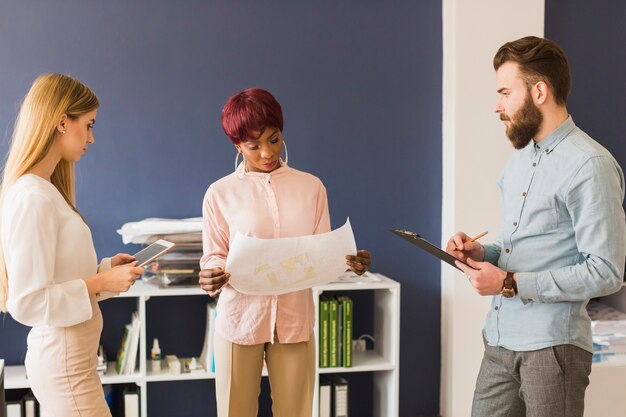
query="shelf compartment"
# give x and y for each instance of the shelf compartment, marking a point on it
(368, 361)
(15, 377)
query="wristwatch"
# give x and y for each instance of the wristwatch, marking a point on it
(509, 289)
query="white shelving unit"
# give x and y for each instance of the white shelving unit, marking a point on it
(605, 394)
(383, 361)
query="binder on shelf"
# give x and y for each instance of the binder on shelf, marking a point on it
(207, 357)
(31, 405)
(109, 397)
(339, 332)
(133, 348)
(324, 326)
(339, 396)
(2, 400)
(346, 336)
(332, 339)
(325, 398)
(131, 401)
(14, 409)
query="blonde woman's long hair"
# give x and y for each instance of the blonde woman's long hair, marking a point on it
(49, 98)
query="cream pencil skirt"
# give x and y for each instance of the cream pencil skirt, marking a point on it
(61, 369)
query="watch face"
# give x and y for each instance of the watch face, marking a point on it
(508, 292)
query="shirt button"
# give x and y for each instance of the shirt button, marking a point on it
(496, 308)
(514, 223)
(534, 164)
(524, 194)
(547, 150)
(507, 250)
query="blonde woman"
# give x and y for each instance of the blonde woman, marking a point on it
(49, 275)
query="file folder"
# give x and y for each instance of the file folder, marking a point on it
(423, 244)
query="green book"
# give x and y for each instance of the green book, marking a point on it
(324, 326)
(123, 349)
(339, 332)
(333, 334)
(347, 331)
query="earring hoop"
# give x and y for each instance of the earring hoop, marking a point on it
(237, 160)
(243, 160)
(286, 152)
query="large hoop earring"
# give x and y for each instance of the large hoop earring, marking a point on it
(286, 152)
(237, 160)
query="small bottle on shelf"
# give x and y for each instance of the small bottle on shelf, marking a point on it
(155, 356)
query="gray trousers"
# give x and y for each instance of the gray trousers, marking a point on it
(549, 382)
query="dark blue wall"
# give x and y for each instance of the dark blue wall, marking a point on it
(360, 84)
(593, 37)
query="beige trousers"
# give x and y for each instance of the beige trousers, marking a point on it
(291, 371)
(61, 368)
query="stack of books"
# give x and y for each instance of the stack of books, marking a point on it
(335, 331)
(608, 327)
(181, 265)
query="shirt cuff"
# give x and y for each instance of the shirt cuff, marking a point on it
(106, 295)
(528, 286)
(212, 263)
(492, 253)
(105, 265)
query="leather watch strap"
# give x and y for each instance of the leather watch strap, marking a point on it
(509, 289)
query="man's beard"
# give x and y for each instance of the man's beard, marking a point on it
(527, 122)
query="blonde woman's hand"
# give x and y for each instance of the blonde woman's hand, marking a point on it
(359, 263)
(212, 280)
(117, 279)
(121, 259)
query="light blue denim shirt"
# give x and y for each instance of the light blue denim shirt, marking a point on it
(564, 233)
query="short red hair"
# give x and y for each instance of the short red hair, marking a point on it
(250, 110)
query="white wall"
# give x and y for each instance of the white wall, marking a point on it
(475, 150)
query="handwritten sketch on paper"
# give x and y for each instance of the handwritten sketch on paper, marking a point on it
(277, 266)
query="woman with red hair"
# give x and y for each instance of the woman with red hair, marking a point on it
(263, 198)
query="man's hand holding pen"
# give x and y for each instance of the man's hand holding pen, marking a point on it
(485, 277)
(461, 246)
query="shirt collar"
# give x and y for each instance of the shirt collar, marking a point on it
(550, 142)
(241, 173)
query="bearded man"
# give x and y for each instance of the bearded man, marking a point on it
(562, 241)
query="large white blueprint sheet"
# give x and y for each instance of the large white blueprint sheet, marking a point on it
(278, 266)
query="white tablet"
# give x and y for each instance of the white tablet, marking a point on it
(152, 252)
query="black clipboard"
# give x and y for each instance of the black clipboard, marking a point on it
(422, 243)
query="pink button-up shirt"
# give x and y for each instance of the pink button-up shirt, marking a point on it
(283, 203)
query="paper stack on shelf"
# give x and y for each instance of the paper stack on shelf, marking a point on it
(152, 229)
(181, 265)
(608, 327)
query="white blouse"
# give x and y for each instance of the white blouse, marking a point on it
(48, 251)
